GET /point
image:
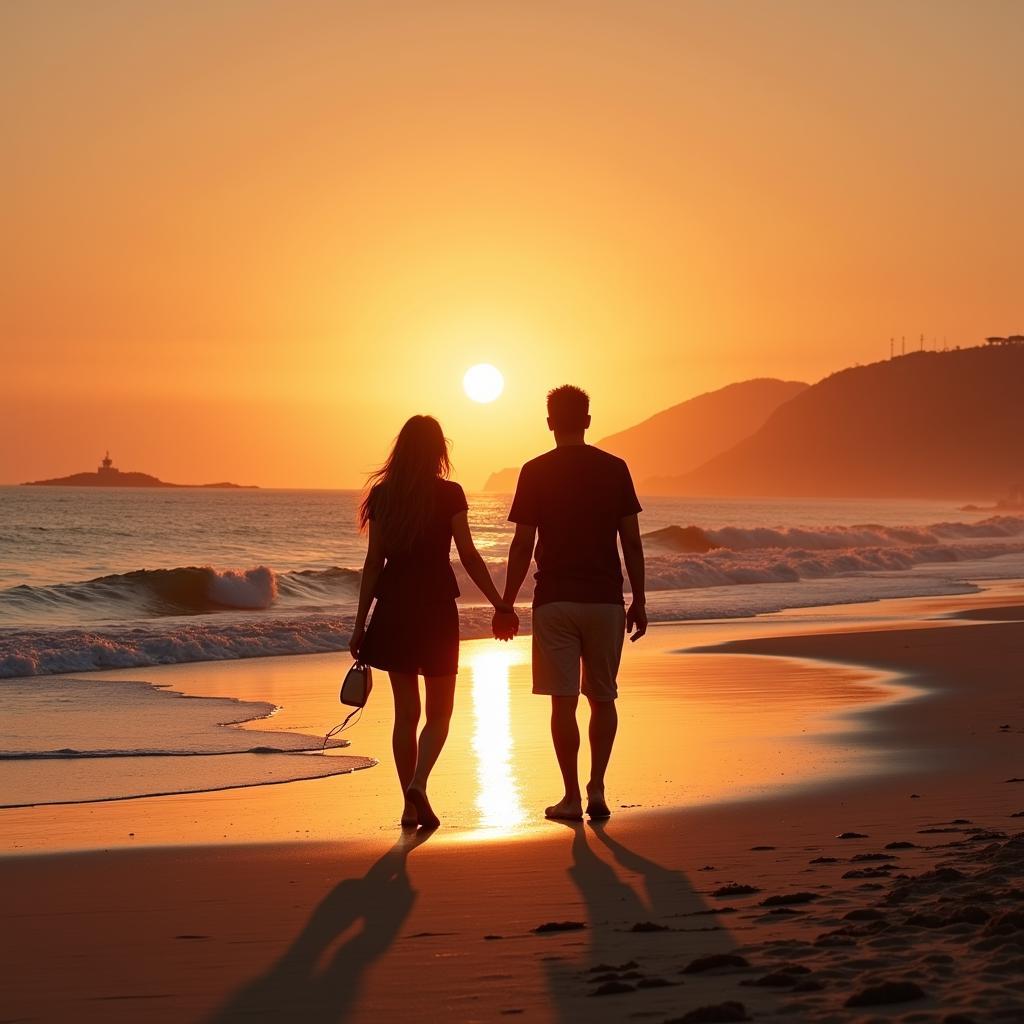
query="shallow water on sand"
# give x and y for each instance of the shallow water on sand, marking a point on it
(61, 744)
(694, 729)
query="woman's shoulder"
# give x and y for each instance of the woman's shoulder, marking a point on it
(453, 494)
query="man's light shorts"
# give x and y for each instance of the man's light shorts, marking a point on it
(567, 634)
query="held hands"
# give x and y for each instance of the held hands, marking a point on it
(505, 623)
(636, 621)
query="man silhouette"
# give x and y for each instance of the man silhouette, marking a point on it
(575, 501)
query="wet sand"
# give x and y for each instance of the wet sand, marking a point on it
(749, 760)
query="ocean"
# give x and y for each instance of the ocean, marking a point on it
(114, 578)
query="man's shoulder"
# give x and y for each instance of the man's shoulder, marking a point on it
(551, 459)
(608, 465)
(538, 462)
(608, 458)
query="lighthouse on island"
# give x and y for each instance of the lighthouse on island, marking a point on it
(106, 468)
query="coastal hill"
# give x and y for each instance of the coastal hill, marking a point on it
(923, 425)
(107, 475)
(503, 481)
(686, 435)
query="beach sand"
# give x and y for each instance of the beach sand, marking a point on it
(899, 721)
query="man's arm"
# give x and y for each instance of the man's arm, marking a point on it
(633, 555)
(520, 554)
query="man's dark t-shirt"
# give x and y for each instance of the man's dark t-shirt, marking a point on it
(576, 495)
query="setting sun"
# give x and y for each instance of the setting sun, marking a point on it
(483, 382)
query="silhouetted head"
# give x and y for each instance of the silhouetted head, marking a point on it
(400, 495)
(568, 410)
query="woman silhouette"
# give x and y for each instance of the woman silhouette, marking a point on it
(413, 511)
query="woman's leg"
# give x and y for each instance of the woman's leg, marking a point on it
(440, 702)
(406, 690)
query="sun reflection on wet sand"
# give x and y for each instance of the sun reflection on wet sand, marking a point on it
(498, 797)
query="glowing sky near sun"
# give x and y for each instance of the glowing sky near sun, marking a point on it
(248, 239)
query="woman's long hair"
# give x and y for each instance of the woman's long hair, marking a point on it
(400, 495)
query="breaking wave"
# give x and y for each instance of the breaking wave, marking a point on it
(686, 558)
(695, 540)
(41, 652)
(189, 590)
(31, 652)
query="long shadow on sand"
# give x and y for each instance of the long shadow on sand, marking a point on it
(684, 927)
(300, 985)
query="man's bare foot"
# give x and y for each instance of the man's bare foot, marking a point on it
(410, 819)
(424, 812)
(567, 809)
(597, 806)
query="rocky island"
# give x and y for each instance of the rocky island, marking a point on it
(108, 475)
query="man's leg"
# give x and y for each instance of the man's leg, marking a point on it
(565, 732)
(556, 674)
(603, 633)
(604, 723)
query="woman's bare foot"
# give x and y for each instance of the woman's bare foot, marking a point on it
(597, 806)
(567, 809)
(410, 819)
(424, 812)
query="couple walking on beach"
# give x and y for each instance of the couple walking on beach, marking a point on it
(572, 506)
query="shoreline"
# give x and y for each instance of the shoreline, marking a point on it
(490, 759)
(310, 630)
(227, 787)
(272, 679)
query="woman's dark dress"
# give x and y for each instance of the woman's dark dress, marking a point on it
(415, 623)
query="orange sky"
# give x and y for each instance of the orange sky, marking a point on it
(250, 238)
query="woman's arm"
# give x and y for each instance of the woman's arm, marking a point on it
(474, 564)
(372, 566)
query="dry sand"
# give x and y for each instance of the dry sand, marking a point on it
(380, 927)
